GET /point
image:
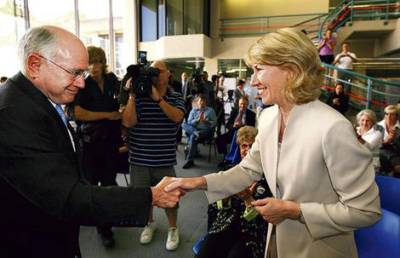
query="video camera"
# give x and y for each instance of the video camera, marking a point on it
(143, 77)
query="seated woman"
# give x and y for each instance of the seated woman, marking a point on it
(367, 130)
(389, 154)
(232, 233)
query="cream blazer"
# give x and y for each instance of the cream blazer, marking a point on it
(320, 165)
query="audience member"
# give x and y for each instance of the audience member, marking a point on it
(338, 99)
(369, 133)
(232, 232)
(220, 88)
(3, 79)
(239, 92)
(323, 185)
(185, 85)
(41, 187)
(209, 91)
(173, 83)
(239, 117)
(326, 46)
(99, 127)
(344, 60)
(153, 122)
(389, 154)
(201, 123)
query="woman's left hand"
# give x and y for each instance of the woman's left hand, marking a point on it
(275, 210)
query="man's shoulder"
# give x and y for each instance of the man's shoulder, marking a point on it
(171, 93)
(250, 113)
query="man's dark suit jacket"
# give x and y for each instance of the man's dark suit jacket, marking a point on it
(250, 118)
(43, 196)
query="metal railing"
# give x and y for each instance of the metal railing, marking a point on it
(364, 91)
(353, 10)
(254, 26)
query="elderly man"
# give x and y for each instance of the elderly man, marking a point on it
(43, 195)
(201, 123)
(152, 143)
(239, 117)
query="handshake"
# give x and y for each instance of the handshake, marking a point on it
(167, 193)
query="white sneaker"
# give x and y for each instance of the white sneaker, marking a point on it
(147, 233)
(173, 239)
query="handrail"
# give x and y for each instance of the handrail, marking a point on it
(359, 75)
(350, 10)
(270, 16)
(260, 25)
(364, 91)
(309, 20)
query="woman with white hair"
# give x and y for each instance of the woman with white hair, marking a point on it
(368, 132)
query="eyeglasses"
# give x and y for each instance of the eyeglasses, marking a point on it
(75, 73)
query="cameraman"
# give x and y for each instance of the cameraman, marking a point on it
(153, 122)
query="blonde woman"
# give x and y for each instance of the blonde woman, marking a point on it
(389, 154)
(323, 185)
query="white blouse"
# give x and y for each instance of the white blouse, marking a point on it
(373, 138)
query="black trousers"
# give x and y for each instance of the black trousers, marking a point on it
(99, 159)
(100, 166)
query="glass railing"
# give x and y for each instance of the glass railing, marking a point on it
(364, 91)
(254, 26)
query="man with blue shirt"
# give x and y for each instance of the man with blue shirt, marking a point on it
(201, 123)
(153, 122)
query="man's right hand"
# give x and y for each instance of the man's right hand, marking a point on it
(162, 198)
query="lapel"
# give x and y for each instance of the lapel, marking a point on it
(40, 101)
(274, 151)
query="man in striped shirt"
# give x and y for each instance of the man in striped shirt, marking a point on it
(153, 122)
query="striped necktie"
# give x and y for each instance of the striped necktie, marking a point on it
(61, 113)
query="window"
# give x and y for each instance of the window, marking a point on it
(48, 12)
(174, 17)
(194, 10)
(161, 18)
(148, 18)
(11, 30)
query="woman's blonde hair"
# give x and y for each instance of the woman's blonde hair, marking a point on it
(246, 134)
(366, 112)
(391, 109)
(292, 50)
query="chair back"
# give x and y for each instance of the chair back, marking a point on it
(389, 191)
(383, 238)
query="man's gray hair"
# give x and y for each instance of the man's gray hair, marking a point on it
(36, 40)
